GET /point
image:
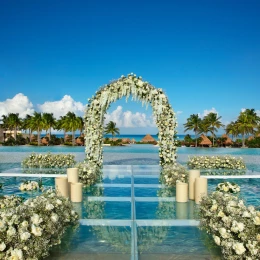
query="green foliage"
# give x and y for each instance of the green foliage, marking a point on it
(254, 143)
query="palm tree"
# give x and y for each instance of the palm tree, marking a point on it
(232, 129)
(71, 123)
(27, 124)
(111, 129)
(14, 122)
(37, 124)
(247, 122)
(204, 127)
(48, 122)
(214, 123)
(193, 123)
(80, 124)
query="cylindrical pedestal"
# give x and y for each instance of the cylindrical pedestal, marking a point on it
(193, 174)
(76, 192)
(181, 210)
(73, 175)
(191, 209)
(201, 189)
(61, 185)
(181, 192)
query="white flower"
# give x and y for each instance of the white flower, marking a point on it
(37, 231)
(16, 254)
(223, 233)
(217, 240)
(49, 207)
(214, 207)
(239, 248)
(2, 225)
(11, 231)
(257, 220)
(36, 220)
(54, 217)
(25, 236)
(2, 247)
(246, 214)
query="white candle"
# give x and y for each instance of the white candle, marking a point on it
(201, 189)
(193, 174)
(181, 192)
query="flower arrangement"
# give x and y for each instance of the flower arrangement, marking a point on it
(29, 186)
(27, 231)
(234, 226)
(10, 201)
(127, 86)
(54, 161)
(89, 174)
(230, 187)
(173, 173)
(216, 162)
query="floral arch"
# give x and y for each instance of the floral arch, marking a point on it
(139, 90)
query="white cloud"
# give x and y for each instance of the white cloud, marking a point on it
(179, 112)
(129, 119)
(243, 109)
(18, 104)
(61, 107)
(258, 112)
(206, 112)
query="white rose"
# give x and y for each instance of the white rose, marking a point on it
(239, 248)
(37, 231)
(25, 236)
(214, 207)
(24, 224)
(49, 207)
(16, 254)
(2, 247)
(246, 214)
(257, 220)
(36, 220)
(59, 202)
(217, 240)
(54, 217)
(11, 231)
(2, 225)
(240, 226)
(223, 233)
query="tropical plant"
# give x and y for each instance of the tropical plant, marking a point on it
(12, 122)
(111, 129)
(232, 129)
(246, 123)
(71, 123)
(48, 122)
(213, 122)
(37, 124)
(193, 123)
(27, 124)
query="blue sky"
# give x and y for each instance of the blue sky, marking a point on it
(204, 54)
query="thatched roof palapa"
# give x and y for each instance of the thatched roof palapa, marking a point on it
(148, 138)
(228, 140)
(133, 141)
(126, 140)
(205, 140)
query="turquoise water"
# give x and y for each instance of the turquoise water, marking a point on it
(130, 215)
(133, 216)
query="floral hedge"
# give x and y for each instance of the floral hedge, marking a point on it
(29, 229)
(234, 226)
(49, 160)
(216, 162)
(127, 86)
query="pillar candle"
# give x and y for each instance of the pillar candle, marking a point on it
(193, 174)
(181, 192)
(73, 175)
(201, 189)
(61, 185)
(76, 192)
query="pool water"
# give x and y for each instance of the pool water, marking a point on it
(130, 215)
